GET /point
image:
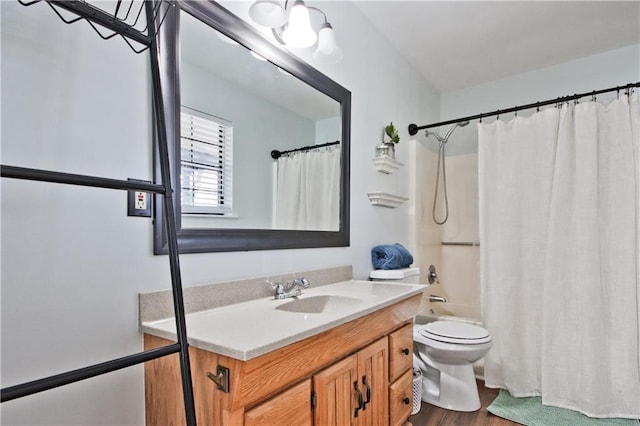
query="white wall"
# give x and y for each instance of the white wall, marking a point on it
(73, 262)
(459, 266)
(608, 69)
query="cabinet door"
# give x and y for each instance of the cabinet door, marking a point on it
(336, 398)
(373, 373)
(291, 407)
(401, 399)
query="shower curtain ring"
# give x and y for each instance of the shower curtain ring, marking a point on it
(537, 106)
(593, 96)
(516, 110)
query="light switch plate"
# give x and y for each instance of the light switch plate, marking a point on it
(138, 202)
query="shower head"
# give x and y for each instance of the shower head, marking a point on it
(458, 124)
(444, 140)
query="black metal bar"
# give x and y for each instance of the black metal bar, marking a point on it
(29, 388)
(275, 154)
(102, 18)
(414, 128)
(170, 220)
(81, 180)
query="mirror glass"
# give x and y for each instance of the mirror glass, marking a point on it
(267, 109)
(222, 78)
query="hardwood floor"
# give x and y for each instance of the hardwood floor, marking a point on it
(430, 415)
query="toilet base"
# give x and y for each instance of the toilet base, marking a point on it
(452, 387)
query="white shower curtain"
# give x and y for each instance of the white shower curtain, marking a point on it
(308, 191)
(560, 259)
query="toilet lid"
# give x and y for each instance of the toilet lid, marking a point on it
(455, 332)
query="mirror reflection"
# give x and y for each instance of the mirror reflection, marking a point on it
(236, 108)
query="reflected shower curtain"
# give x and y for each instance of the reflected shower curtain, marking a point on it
(559, 213)
(308, 190)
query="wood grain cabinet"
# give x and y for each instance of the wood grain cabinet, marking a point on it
(400, 375)
(289, 408)
(354, 390)
(357, 373)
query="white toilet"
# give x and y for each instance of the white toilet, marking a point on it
(445, 352)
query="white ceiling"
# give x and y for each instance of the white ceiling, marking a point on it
(457, 44)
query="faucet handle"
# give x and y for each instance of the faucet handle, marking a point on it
(302, 282)
(277, 286)
(432, 275)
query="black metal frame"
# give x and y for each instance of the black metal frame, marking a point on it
(414, 128)
(193, 240)
(84, 11)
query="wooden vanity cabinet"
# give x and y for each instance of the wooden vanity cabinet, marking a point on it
(354, 390)
(280, 387)
(291, 407)
(400, 374)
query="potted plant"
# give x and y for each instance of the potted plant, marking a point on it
(390, 137)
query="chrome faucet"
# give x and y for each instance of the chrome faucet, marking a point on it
(434, 298)
(289, 289)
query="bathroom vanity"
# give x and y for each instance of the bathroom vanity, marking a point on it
(340, 353)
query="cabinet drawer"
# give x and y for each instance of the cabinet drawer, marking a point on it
(400, 351)
(401, 399)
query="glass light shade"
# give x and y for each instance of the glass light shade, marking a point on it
(268, 13)
(328, 50)
(299, 32)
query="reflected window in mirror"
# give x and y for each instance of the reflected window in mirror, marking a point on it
(206, 164)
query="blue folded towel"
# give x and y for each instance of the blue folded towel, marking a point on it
(393, 256)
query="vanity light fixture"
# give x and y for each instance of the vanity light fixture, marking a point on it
(291, 26)
(298, 31)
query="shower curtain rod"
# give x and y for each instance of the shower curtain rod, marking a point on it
(275, 154)
(414, 128)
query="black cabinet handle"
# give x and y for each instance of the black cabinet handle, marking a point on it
(367, 392)
(406, 401)
(360, 406)
(405, 351)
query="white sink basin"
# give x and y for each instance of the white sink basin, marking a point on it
(320, 304)
(249, 329)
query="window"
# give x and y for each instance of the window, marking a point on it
(206, 163)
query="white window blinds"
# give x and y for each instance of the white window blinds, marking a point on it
(206, 158)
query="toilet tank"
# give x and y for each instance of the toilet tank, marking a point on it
(404, 275)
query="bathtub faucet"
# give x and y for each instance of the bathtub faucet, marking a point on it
(434, 298)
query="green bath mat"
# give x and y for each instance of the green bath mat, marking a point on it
(531, 412)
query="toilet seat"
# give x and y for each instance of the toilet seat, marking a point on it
(455, 332)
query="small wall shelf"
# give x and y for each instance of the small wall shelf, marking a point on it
(385, 200)
(386, 164)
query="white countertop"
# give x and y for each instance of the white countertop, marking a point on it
(249, 329)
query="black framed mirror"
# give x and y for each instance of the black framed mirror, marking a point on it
(238, 230)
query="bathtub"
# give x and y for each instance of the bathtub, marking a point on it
(427, 318)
